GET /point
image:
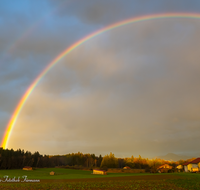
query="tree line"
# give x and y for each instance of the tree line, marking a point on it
(10, 159)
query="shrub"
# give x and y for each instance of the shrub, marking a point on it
(109, 161)
(147, 170)
(104, 168)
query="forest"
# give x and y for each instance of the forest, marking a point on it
(11, 159)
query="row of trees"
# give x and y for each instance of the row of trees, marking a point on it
(10, 159)
(137, 163)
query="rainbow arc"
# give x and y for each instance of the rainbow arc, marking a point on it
(24, 98)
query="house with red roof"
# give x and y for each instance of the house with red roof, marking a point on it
(195, 164)
(164, 168)
(192, 166)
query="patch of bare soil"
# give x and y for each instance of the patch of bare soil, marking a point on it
(123, 178)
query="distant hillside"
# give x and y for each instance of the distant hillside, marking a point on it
(173, 157)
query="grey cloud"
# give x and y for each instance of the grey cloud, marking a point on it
(146, 101)
(136, 86)
(105, 12)
(4, 118)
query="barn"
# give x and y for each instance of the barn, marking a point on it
(101, 172)
(27, 168)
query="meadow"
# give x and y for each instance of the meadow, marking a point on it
(80, 179)
(60, 173)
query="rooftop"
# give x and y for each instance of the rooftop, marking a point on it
(196, 161)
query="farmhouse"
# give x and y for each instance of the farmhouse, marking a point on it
(126, 167)
(194, 165)
(27, 168)
(102, 172)
(164, 168)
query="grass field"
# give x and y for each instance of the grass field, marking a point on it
(60, 173)
(79, 179)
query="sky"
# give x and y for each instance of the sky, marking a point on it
(133, 90)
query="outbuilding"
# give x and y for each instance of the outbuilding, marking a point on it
(27, 168)
(101, 172)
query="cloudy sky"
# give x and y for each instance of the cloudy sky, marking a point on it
(131, 90)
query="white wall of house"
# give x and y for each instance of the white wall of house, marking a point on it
(185, 168)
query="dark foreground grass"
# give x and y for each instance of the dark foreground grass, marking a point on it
(77, 179)
(190, 181)
(109, 185)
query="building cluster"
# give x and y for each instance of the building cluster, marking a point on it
(192, 166)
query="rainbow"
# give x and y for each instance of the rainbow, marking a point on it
(20, 105)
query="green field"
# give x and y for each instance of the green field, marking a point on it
(79, 179)
(60, 173)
